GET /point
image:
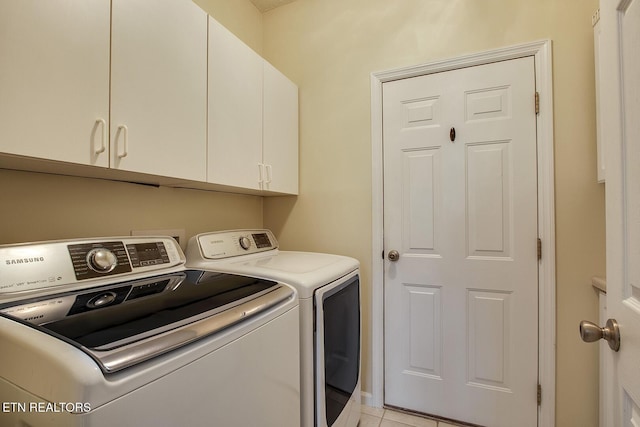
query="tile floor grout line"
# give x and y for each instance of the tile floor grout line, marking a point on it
(400, 419)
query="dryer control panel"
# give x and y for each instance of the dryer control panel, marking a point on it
(227, 244)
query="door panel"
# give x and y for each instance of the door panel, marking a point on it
(235, 110)
(489, 350)
(54, 80)
(421, 184)
(279, 132)
(629, 21)
(423, 304)
(158, 88)
(489, 199)
(461, 309)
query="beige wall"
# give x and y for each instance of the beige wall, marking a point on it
(330, 47)
(41, 207)
(45, 207)
(240, 17)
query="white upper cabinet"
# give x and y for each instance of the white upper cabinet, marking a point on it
(253, 118)
(150, 90)
(159, 88)
(235, 110)
(54, 80)
(280, 132)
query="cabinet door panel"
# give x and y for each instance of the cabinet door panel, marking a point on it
(280, 137)
(235, 110)
(54, 79)
(158, 88)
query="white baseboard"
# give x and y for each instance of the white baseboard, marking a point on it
(367, 399)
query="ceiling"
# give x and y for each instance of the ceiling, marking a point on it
(265, 5)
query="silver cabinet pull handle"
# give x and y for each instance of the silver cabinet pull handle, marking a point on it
(103, 146)
(269, 173)
(125, 138)
(261, 174)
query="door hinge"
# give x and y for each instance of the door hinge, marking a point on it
(537, 102)
(539, 394)
(539, 249)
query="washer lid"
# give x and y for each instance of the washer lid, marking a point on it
(127, 323)
(306, 271)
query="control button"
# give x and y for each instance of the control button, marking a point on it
(102, 300)
(245, 243)
(101, 260)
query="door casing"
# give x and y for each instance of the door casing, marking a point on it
(541, 51)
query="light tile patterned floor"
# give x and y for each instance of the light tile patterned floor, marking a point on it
(378, 417)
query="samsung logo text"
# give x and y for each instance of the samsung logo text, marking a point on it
(24, 260)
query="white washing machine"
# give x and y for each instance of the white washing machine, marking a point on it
(117, 332)
(329, 290)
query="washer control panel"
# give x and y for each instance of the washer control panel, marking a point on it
(37, 266)
(245, 243)
(98, 259)
(226, 244)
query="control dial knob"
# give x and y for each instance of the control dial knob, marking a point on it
(245, 243)
(102, 300)
(101, 260)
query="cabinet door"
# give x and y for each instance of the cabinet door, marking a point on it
(280, 132)
(158, 88)
(235, 110)
(54, 79)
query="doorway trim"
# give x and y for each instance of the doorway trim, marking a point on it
(541, 51)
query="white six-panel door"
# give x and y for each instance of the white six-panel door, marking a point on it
(461, 302)
(620, 113)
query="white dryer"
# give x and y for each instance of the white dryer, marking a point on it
(329, 290)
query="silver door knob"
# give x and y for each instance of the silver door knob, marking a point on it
(590, 332)
(393, 255)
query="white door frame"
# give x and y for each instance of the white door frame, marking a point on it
(541, 51)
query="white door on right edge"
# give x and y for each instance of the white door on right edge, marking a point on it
(620, 114)
(460, 209)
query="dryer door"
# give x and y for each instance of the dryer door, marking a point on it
(337, 351)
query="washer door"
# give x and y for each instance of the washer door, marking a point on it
(337, 347)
